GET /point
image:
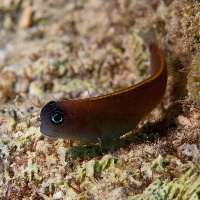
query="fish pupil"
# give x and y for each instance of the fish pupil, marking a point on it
(57, 117)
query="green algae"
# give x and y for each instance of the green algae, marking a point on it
(186, 186)
(51, 168)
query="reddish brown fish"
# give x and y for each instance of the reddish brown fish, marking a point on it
(109, 116)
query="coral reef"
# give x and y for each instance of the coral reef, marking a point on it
(60, 49)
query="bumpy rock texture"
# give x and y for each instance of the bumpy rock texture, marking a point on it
(50, 50)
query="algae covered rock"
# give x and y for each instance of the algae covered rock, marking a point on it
(185, 186)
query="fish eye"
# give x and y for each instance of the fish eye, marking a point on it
(57, 117)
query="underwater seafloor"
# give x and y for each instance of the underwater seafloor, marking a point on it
(51, 50)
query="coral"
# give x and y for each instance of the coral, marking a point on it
(190, 31)
(186, 186)
(69, 47)
(193, 85)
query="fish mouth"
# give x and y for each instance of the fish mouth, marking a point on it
(47, 133)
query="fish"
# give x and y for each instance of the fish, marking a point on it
(104, 118)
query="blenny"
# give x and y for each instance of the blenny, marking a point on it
(106, 117)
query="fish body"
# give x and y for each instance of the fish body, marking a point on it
(106, 117)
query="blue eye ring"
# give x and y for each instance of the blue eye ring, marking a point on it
(52, 103)
(57, 117)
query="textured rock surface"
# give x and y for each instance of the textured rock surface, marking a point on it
(50, 50)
